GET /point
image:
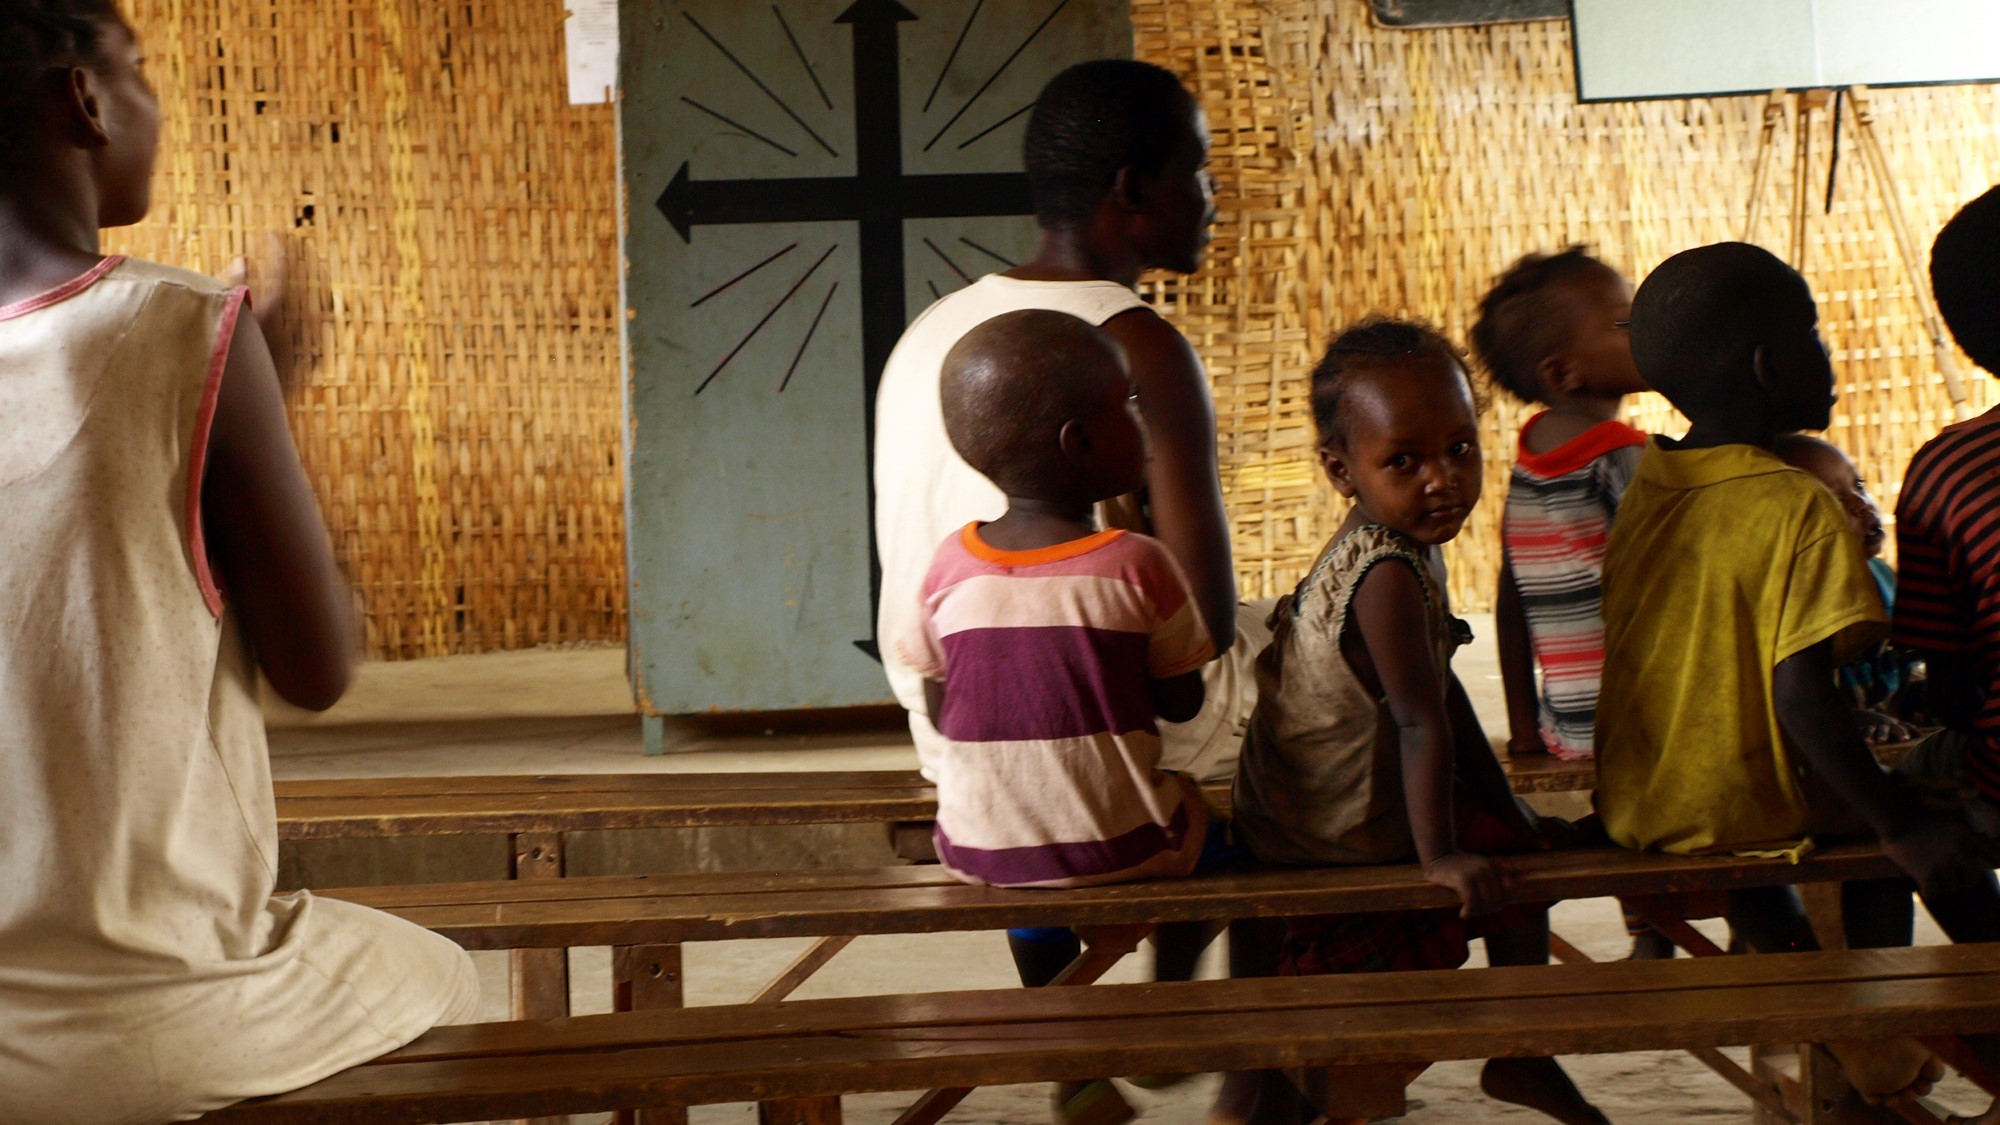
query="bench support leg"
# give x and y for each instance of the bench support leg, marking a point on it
(801, 970)
(540, 977)
(1359, 1093)
(799, 1111)
(1820, 1095)
(1103, 947)
(647, 977)
(643, 978)
(1761, 1087)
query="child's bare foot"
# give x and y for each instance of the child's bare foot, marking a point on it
(1881, 1068)
(1542, 1085)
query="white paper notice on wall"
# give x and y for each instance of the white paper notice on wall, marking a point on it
(590, 38)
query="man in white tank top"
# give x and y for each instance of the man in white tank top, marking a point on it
(1116, 155)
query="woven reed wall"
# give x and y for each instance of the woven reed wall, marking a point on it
(1365, 169)
(453, 236)
(454, 291)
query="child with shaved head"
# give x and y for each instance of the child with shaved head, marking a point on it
(1050, 649)
(1733, 588)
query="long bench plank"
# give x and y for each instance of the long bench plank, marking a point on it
(863, 1014)
(321, 809)
(632, 910)
(317, 818)
(449, 786)
(831, 1047)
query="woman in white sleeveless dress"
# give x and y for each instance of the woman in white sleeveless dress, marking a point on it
(160, 547)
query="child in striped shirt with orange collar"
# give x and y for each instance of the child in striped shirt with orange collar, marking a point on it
(1552, 331)
(1050, 649)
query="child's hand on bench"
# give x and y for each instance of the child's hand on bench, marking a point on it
(1480, 883)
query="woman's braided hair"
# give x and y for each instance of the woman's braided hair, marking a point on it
(37, 36)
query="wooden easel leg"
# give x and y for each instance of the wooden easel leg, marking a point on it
(1908, 249)
(1760, 177)
(644, 978)
(1810, 102)
(1103, 947)
(539, 977)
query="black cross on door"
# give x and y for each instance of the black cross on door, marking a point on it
(879, 196)
(802, 227)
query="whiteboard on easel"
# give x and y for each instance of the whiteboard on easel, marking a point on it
(1632, 49)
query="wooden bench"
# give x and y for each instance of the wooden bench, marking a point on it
(536, 812)
(347, 808)
(1363, 1036)
(647, 919)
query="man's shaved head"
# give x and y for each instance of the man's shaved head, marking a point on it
(1010, 384)
(1699, 319)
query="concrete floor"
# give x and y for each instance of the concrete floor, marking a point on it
(569, 711)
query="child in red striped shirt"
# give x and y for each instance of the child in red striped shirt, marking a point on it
(1948, 535)
(1552, 331)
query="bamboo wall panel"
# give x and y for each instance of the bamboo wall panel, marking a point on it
(1366, 169)
(452, 228)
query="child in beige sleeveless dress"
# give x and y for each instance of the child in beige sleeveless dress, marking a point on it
(147, 972)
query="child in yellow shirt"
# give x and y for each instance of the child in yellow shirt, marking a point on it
(1733, 588)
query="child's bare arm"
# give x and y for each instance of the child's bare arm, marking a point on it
(1936, 851)
(1178, 698)
(1388, 599)
(1517, 668)
(265, 538)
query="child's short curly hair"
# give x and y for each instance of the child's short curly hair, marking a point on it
(1518, 326)
(1368, 343)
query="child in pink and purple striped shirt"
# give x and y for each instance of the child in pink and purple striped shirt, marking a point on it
(1052, 648)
